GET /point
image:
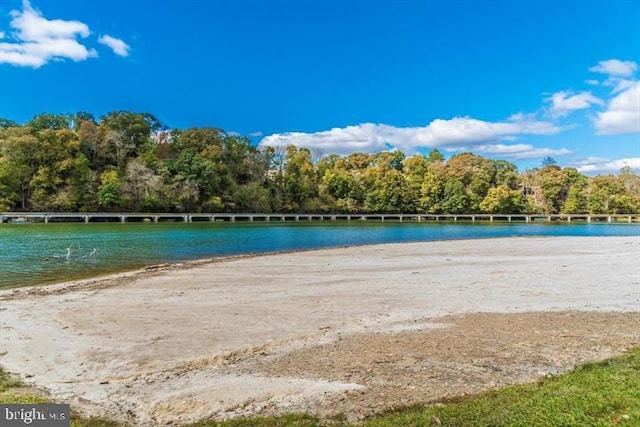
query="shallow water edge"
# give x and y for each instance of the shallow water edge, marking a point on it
(32, 254)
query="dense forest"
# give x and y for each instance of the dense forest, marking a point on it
(127, 161)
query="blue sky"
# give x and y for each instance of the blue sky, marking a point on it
(515, 80)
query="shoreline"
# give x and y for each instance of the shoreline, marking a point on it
(237, 335)
(108, 279)
(34, 267)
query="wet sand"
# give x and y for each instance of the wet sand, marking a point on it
(305, 331)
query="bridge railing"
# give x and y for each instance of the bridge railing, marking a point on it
(87, 217)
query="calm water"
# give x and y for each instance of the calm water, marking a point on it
(37, 253)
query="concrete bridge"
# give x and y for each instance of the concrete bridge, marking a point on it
(47, 217)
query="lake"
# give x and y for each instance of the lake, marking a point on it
(32, 254)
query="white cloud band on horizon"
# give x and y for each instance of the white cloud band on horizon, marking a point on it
(118, 46)
(521, 151)
(460, 133)
(35, 40)
(594, 165)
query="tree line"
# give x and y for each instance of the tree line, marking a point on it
(126, 161)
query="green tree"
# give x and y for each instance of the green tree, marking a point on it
(6, 123)
(415, 168)
(608, 194)
(502, 199)
(576, 201)
(454, 198)
(476, 175)
(251, 197)
(203, 161)
(385, 185)
(553, 186)
(631, 182)
(92, 144)
(300, 184)
(20, 153)
(110, 192)
(48, 121)
(127, 134)
(506, 173)
(435, 156)
(388, 193)
(130, 161)
(9, 186)
(576, 197)
(83, 192)
(340, 187)
(432, 189)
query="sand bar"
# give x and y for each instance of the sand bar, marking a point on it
(278, 332)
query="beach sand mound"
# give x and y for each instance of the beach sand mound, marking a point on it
(342, 332)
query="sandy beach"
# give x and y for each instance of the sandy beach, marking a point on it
(350, 331)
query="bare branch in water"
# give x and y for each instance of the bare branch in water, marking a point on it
(69, 251)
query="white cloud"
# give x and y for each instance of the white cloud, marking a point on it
(622, 114)
(459, 133)
(595, 165)
(618, 84)
(40, 40)
(522, 117)
(35, 40)
(563, 103)
(118, 46)
(33, 27)
(521, 151)
(592, 82)
(615, 67)
(619, 74)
